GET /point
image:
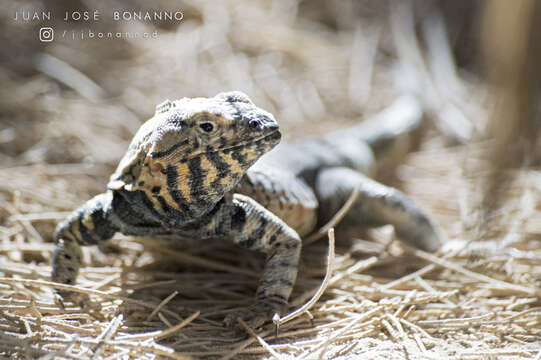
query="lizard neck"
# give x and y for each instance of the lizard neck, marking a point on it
(182, 192)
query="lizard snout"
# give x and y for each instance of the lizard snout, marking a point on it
(262, 126)
(269, 128)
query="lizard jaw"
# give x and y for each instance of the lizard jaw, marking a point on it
(271, 140)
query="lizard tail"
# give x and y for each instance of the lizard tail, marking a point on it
(391, 134)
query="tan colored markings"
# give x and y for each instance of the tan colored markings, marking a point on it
(184, 174)
(211, 171)
(166, 195)
(150, 181)
(88, 222)
(222, 122)
(76, 230)
(235, 168)
(251, 153)
(152, 176)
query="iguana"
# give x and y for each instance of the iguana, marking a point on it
(196, 169)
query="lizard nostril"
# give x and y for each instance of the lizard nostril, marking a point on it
(253, 124)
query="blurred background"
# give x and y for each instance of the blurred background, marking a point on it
(74, 91)
(316, 65)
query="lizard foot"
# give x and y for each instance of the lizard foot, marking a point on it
(254, 316)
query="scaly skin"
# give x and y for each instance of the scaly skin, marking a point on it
(188, 172)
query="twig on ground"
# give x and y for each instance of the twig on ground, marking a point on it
(330, 261)
(107, 334)
(162, 304)
(335, 219)
(259, 339)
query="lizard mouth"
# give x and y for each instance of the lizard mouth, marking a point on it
(275, 135)
(268, 139)
(272, 139)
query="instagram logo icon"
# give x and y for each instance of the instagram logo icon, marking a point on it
(46, 34)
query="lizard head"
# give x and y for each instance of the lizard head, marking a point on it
(200, 147)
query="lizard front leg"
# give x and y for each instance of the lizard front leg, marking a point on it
(376, 205)
(253, 227)
(87, 225)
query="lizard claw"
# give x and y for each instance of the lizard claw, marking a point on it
(254, 316)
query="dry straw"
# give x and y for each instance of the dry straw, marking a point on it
(476, 299)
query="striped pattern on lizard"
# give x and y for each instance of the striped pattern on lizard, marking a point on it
(189, 171)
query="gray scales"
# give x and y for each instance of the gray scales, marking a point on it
(202, 168)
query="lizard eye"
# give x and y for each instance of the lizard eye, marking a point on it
(206, 127)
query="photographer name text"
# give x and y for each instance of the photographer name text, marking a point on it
(93, 16)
